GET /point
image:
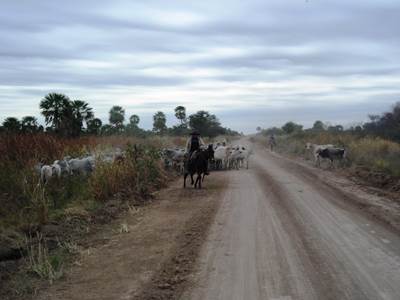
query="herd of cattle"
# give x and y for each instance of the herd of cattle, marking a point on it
(70, 166)
(225, 157)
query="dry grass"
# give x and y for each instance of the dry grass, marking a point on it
(23, 201)
(373, 154)
(40, 262)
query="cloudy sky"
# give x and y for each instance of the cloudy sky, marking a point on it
(252, 63)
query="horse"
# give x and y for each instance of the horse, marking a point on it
(197, 164)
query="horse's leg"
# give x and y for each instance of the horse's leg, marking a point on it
(199, 179)
(191, 177)
(184, 180)
(197, 183)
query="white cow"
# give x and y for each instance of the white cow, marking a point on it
(234, 158)
(243, 156)
(175, 158)
(64, 165)
(47, 172)
(82, 165)
(221, 154)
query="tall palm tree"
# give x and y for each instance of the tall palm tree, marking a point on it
(117, 117)
(56, 110)
(159, 122)
(180, 114)
(134, 120)
(80, 112)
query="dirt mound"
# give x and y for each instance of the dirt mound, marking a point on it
(377, 179)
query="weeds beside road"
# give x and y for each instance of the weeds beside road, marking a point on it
(374, 160)
(37, 221)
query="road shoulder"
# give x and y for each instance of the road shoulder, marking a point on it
(145, 254)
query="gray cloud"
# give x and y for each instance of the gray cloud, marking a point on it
(216, 55)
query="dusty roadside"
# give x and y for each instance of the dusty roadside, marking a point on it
(380, 203)
(145, 254)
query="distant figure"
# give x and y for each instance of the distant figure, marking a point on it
(272, 142)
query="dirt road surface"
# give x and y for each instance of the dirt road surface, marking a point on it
(283, 234)
(145, 254)
(277, 231)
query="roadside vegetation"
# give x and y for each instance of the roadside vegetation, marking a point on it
(40, 224)
(372, 148)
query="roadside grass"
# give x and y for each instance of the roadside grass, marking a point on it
(23, 200)
(46, 266)
(69, 203)
(370, 153)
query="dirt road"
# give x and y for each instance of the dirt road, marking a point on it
(282, 234)
(275, 231)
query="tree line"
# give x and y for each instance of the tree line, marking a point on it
(385, 125)
(73, 118)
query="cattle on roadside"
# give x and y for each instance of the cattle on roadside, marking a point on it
(240, 156)
(49, 171)
(64, 166)
(332, 154)
(174, 158)
(221, 155)
(83, 166)
(314, 148)
(234, 158)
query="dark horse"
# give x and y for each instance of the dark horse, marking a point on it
(197, 164)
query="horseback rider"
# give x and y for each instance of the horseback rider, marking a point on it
(193, 144)
(272, 141)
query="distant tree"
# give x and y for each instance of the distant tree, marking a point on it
(117, 117)
(179, 130)
(180, 114)
(386, 125)
(80, 112)
(107, 129)
(336, 128)
(206, 124)
(29, 124)
(94, 126)
(318, 126)
(291, 127)
(272, 130)
(56, 109)
(258, 129)
(133, 127)
(159, 123)
(357, 129)
(12, 124)
(134, 120)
